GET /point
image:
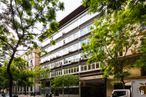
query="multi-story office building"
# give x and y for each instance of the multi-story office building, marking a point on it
(65, 57)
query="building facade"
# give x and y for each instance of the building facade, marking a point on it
(66, 57)
(33, 59)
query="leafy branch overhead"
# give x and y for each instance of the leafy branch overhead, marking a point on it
(116, 37)
(19, 22)
(23, 15)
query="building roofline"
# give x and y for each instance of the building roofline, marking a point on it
(71, 16)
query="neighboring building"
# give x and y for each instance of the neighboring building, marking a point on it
(65, 57)
(33, 59)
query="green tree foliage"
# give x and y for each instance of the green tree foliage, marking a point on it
(65, 81)
(116, 33)
(109, 5)
(3, 78)
(22, 75)
(18, 19)
(40, 73)
(141, 62)
(20, 71)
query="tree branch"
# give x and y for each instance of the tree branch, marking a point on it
(7, 43)
(13, 18)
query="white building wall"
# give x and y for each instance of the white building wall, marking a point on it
(65, 44)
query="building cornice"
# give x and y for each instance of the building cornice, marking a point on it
(72, 16)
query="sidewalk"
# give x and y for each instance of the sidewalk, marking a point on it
(30, 96)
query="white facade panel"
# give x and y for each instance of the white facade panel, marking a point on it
(67, 48)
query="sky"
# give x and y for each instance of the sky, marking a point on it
(69, 5)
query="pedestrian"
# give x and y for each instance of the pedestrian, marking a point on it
(47, 95)
(50, 94)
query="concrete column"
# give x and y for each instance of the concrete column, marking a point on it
(79, 68)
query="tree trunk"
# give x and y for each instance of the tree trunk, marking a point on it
(10, 74)
(122, 80)
(63, 91)
(10, 78)
(105, 86)
(68, 91)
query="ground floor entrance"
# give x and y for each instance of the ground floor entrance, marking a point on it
(93, 88)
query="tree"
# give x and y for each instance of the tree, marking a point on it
(22, 75)
(101, 5)
(141, 61)
(40, 73)
(3, 78)
(65, 81)
(116, 36)
(18, 19)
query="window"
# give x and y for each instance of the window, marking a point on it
(143, 71)
(31, 88)
(31, 63)
(60, 72)
(76, 69)
(64, 71)
(84, 68)
(84, 42)
(63, 41)
(69, 71)
(89, 67)
(53, 73)
(27, 89)
(97, 65)
(72, 70)
(93, 66)
(85, 30)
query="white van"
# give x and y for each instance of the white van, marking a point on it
(138, 89)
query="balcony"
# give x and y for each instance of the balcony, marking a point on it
(67, 43)
(82, 69)
(61, 57)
